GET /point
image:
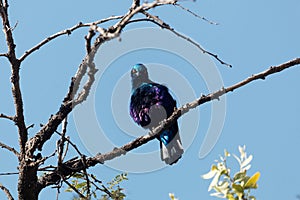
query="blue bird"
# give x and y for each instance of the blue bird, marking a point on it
(150, 104)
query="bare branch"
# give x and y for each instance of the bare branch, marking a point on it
(11, 149)
(164, 25)
(61, 142)
(195, 14)
(102, 185)
(73, 188)
(9, 173)
(3, 55)
(65, 32)
(6, 191)
(83, 158)
(41, 160)
(71, 143)
(12, 118)
(15, 76)
(77, 165)
(88, 39)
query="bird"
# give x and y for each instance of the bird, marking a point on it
(150, 104)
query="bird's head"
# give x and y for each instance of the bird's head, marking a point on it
(139, 71)
(139, 75)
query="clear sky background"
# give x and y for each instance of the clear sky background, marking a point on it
(264, 115)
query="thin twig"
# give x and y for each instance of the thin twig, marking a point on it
(66, 149)
(71, 143)
(156, 20)
(47, 168)
(195, 14)
(9, 173)
(83, 158)
(11, 149)
(58, 190)
(6, 191)
(73, 188)
(12, 118)
(61, 142)
(42, 160)
(102, 185)
(3, 55)
(88, 39)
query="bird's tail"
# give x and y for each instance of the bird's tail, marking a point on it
(171, 151)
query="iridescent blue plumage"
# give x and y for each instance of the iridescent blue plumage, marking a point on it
(150, 104)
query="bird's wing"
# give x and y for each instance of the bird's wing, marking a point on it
(151, 103)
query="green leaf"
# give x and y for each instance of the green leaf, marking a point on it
(80, 185)
(252, 182)
(77, 175)
(230, 197)
(69, 190)
(238, 177)
(238, 188)
(252, 198)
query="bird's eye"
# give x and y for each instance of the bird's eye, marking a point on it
(133, 71)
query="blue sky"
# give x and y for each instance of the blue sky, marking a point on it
(264, 115)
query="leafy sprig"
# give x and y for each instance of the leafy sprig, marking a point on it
(236, 187)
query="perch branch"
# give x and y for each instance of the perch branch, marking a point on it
(77, 165)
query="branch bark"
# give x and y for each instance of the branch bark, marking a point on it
(12, 118)
(6, 191)
(11, 149)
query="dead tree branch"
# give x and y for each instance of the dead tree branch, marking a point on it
(15, 77)
(12, 118)
(11, 149)
(6, 191)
